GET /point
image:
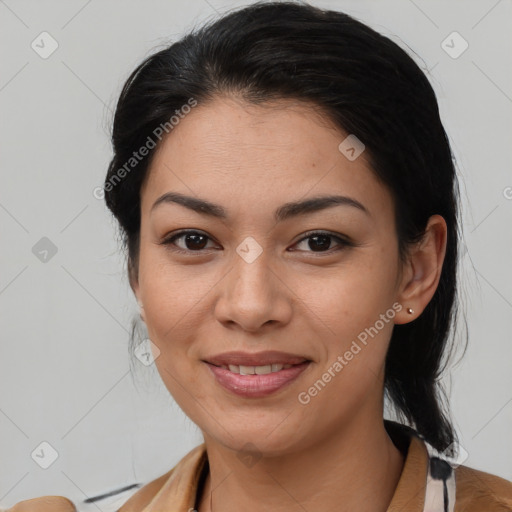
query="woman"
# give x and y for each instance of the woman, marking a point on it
(288, 201)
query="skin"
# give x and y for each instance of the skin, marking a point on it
(251, 160)
(44, 504)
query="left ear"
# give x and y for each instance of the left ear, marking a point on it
(422, 271)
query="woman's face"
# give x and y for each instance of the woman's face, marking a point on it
(255, 283)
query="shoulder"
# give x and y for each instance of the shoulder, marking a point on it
(135, 503)
(145, 494)
(180, 482)
(44, 504)
(477, 491)
(185, 473)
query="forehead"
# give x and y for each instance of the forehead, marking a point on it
(235, 153)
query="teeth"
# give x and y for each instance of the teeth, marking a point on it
(257, 370)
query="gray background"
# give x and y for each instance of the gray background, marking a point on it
(64, 368)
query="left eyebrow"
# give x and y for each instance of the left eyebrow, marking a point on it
(316, 204)
(284, 212)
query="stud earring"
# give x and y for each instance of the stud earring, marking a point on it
(410, 311)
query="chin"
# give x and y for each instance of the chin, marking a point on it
(257, 441)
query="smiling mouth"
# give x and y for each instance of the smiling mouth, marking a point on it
(255, 370)
(256, 381)
(255, 362)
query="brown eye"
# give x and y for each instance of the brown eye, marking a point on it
(321, 242)
(190, 241)
(195, 241)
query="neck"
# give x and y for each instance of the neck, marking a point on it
(356, 468)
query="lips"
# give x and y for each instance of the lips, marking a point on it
(268, 357)
(255, 385)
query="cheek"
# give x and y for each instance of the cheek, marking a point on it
(352, 296)
(172, 307)
(352, 309)
(360, 323)
(172, 294)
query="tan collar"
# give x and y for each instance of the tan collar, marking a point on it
(179, 492)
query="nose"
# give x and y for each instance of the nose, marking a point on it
(252, 295)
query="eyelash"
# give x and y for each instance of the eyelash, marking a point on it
(169, 242)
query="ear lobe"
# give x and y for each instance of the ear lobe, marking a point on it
(133, 280)
(424, 266)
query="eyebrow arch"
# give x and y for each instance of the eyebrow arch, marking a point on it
(284, 212)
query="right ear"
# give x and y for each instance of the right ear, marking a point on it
(134, 285)
(133, 279)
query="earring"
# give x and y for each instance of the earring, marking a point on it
(410, 311)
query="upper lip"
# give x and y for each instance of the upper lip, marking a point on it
(255, 359)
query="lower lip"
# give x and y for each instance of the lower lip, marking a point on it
(256, 386)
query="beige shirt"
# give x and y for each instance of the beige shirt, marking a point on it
(462, 489)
